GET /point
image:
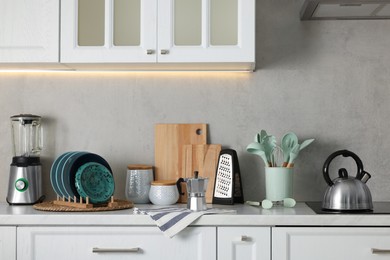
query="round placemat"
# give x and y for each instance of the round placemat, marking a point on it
(50, 206)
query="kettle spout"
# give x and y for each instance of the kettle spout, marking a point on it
(366, 177)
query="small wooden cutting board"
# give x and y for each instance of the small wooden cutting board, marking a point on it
(169, 142)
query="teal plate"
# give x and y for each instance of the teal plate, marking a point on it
(53, 174)
(95, 181)
(65, 176)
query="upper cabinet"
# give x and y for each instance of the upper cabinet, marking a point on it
(170, 34)
(29, 31)
(206, 31)
(108, 31)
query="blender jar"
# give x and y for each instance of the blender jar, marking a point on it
(26, 135)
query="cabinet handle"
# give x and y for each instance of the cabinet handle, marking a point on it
(149, 52)
(115, 250)
(164, 52)
(244, 238)
(380, 251)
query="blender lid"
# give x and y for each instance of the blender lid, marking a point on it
(25, 118)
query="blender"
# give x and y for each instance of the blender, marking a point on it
(25, 180)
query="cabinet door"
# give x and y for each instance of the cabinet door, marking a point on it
(330, 243)
(249, 243)
(108, 31)
(206, 31)
(29, 31)
(8, 243)
(114, 243)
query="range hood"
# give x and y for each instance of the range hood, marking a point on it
(345, 9)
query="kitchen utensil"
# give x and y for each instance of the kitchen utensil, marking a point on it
(305, 144)
(202, 158)
(258, 149)
(164, 192)
(95, 181)
(289, 140)
(138, 182)
(277, 157)
(260, 136)
(169, 141)
(269, 144)
(25, 179)
(278, 187)
(228, 186)
(347, 193)
(293, 155)
(196, 189)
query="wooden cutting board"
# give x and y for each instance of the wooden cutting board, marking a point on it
(204, 159)
(168, 147)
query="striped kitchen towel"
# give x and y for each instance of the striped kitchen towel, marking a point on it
(172, 220)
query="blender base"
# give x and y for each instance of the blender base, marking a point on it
(25, 185)
(41, 199)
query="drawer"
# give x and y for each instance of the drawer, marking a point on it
(47, 243)
(244, 243)
(349, 243)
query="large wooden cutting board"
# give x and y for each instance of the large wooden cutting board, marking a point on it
(204, 159)
(168, 147)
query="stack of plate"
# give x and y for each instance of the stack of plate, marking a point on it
(82, 174)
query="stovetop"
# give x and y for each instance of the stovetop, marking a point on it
(379, 208)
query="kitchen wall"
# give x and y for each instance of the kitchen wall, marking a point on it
(328, 80)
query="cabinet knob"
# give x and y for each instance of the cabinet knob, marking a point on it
(115, 250)
(164, 52)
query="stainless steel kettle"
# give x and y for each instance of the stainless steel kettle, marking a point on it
(347, 193)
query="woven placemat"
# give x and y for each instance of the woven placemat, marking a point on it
(50, 206)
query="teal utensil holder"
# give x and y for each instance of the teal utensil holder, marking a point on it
(278, 187)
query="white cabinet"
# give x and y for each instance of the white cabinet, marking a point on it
(206, 31)
(244, 243)
(115, 31)
(114, 243)
(348, 243)
(29, 31)
(192, 33)
(8, 243)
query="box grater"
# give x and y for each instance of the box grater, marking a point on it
(228, 186)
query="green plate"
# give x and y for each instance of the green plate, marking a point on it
(95, 181)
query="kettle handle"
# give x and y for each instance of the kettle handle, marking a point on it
(344, 153)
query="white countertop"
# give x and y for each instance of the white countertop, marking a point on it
(300, 215)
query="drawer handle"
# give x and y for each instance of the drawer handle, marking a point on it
(164, 52)
(380, 251)
(244, 238)
(149, 52)
(115, 250)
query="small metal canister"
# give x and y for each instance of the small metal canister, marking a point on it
(138, 180)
